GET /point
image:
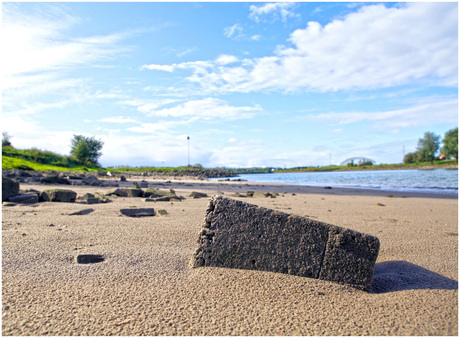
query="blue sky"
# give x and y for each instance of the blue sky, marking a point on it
(252, 84)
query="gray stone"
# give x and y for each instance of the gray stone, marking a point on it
(54, 179)
(93, 200)
(102, 198)
(133, 192)
(162, 212)
(196, 194)
(58, 195)
(245, 236)
(10, 188)
(91, 180)
(144, 184)
(140, 212)
(89, 259)
(24, 198)
(117, 192)
(161, 195)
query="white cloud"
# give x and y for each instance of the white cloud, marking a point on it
(35, 42)
(225, 59)
(166, 68)
(149, 128)
(275, 10)
(424, 114)
(208, 109)
(146, 106)
(375, 47)
(118, 119)
(235, 31)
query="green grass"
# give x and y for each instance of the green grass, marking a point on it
(19, 163)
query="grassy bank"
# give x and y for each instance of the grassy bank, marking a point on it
(422, 165)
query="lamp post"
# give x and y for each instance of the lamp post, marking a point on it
(188, 141)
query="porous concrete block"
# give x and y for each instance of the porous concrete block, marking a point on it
(350, 258)
(244, 236)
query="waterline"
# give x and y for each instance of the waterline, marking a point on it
(439, 181)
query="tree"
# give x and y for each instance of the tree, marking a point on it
(450, 142)
(6, 139)
(86, 150)
(411, 158)
(428, 146)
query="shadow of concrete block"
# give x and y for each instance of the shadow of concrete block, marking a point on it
(400, 275)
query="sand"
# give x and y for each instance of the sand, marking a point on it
(145, 285)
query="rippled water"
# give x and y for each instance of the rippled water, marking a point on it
(443, 181)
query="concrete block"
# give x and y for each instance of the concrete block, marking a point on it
(140, 212)
(24, 198)
(58, 195)
(244, 236)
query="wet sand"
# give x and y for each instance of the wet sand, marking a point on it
(145, 285)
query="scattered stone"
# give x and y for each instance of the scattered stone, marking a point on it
(140, 212)
(10, 188)
(264, 195)
(101, 198)
(76, 177)
(244, 236)
(5, 308)
(117, 192)
(162, 212)
(161, 195)
(250, 193)
(109, 184)
(196, 194)
(133, 192)
(327, 187)
(24, 198)
(380, 204)
(58, 195)
(136, 185)
(89, 259)
(82, 212)
(8, 204)
(144, 184)
(54, 179)
(91, 180)
(122, 178)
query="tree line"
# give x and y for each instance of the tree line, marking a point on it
(429, 145)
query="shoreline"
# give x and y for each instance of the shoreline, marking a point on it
(244, 186)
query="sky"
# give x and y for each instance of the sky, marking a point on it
(251, 84)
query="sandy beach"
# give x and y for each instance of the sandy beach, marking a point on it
(145, 285)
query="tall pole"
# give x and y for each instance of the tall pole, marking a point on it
(188, 141)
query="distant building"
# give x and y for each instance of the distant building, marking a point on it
(358, 161)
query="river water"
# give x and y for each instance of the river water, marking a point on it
(441, 181)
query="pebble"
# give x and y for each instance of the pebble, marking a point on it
(5, 307)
